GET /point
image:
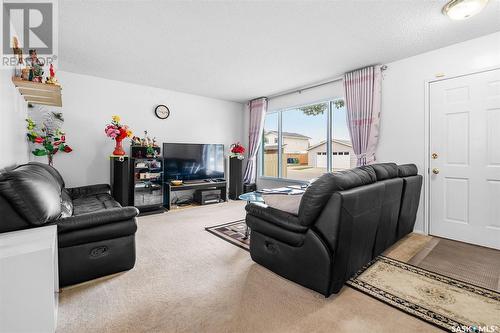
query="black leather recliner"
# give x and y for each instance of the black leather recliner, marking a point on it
(345, 220)
(96, 236)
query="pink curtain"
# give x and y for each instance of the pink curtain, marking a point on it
(362, 96)
(257, 109)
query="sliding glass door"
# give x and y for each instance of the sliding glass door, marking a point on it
(341, 147)
(304, 142)
(303, 131)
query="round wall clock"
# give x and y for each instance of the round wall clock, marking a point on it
(162, 111)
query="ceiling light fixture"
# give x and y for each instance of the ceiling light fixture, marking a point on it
(463, 9)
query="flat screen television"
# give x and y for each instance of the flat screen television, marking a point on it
(189, 161)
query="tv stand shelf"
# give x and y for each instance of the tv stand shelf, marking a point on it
(193, 186)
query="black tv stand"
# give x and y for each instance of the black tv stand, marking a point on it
(193, 185)
(214, 180)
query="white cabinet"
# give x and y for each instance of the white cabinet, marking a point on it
(29, 280)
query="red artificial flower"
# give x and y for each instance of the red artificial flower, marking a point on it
(63, 138)
(123, 133)
(67, 149)
(237, 149)
(38, 139)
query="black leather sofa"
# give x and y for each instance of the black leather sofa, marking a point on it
(96, 236)
(345, 220)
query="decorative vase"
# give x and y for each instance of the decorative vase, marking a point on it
(118, 147)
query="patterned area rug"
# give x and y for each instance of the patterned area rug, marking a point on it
(232, 232)
(445, 302)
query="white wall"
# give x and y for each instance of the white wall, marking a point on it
(13, 144)
(402, 132)
(89, 102)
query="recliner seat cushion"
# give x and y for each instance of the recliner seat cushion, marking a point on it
(89, 190)
(317, 195)
(33, 192)
(93, 203)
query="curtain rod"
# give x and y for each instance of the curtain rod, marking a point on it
(300, 90)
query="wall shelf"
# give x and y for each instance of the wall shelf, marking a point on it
(39, 93)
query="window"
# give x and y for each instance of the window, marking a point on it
(269, 166)
(341, 139)
(302, 128)
(307, 141)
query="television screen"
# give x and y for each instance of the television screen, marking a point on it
(188, 161)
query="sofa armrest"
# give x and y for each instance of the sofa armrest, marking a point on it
(89, 220)
(84, 191)
(277, 217)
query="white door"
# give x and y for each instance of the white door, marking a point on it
(465, 172)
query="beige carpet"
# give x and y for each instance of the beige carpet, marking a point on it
(188, 280)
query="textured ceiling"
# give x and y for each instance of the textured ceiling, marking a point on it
(237, 50)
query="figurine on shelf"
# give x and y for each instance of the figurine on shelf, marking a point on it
(36, 72)
(51, 79)
(136, 141)
(18, 52)
(150, 152)
(145, 147)
(146, 140)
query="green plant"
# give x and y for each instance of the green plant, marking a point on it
(48, 137)
(316, 109)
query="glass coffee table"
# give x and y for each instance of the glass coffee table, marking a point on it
(250, 197)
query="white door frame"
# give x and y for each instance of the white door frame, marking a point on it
(427, 141)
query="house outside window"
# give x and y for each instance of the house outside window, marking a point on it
(306, 134)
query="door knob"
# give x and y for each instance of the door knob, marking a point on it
(434, 156)
(435, 171)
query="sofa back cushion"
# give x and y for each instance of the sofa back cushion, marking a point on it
(33, 192)
(407, 170)
(317, 195)
(385, 170)
(53, 171)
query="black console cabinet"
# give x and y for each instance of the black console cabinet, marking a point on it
(202, 185)
(119, 179)
(235, 178)
(146, 178)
